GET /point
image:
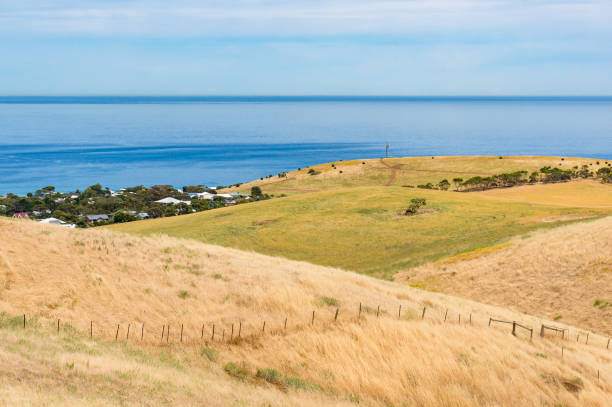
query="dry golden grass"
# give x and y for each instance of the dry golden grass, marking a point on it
(83, 275)
(398, 171)
(584, 194)
(565, 271)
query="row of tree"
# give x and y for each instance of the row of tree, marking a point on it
(505, 180)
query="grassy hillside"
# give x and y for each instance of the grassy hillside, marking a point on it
(564, 273)
(360, 229)
(79, 276)
(404, 171)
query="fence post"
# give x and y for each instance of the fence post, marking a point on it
(239, 328)
(213, 333)
(127, 336)
(168, 334)
(336, 316)
(181, 333)
(163, 330)
(562, 350)
(359, 312)
(587, 339)
(58, 322)
(232, 335)
(142, 332)
(263, 328)
(285, 327)
(202, 333)
(23, 321)
(470, 318)
(490, 321)
(459, 319)
(117, 333)
(445, 314)
(313, 315)
(514, 328)
(399, 312)
(223, 335)
(423, 315)
(91, 329)
(542, 330)
(608, 345)
(377, 311)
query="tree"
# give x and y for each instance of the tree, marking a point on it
(121, 217)
(444, 185)
(256, 192)
(415, 205)
(457, 182)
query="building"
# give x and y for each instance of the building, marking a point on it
(170, 200)
(96, 218)
(21, 215)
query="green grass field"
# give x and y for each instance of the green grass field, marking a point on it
(359, 228)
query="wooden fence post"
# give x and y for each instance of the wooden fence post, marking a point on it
(127, 336)
(490, 319)
(514, 328)
(91, 329)
(608, 345)
(117, 333)
(470, 318)
(336, 316)
(23, 321)
(445, 314)
(542, 330)
(181, 333)
(399, 312)
(423, 315)
(239, 328)
(285, 326)
(168, 334)
(213, 333)
(263, 328)
(163, 330)
(202, 334)
(313, 315)
(232, 335)
(223, 335)
(587, 339)
(459, 319)
(377, 311)
(359, 313)
(142, 332)
(58, 322)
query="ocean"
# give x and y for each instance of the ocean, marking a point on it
(73, 142)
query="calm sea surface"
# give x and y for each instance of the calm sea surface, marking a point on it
(73, 142)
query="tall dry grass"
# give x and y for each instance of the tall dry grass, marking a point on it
(83, 275)
(564, 272)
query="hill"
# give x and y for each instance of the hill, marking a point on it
(361, 229)
(374, 359)
(565, 274)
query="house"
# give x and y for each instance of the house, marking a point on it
(53, 221)
(143, 215)
(203, 195)
(96, 218)
(170, 200)
(238, 196)
(21, 215)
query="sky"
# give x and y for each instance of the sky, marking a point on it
(306, 47)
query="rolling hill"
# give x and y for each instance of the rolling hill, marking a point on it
(106, 281)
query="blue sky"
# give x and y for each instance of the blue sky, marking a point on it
(263, 47)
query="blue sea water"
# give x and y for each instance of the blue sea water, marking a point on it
(73, 142)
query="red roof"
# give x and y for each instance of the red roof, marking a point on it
(21, 215)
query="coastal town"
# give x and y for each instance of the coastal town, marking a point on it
(96, 206)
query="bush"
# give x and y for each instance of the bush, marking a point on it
(183, 294)
(210, 354)
(238, 371)
(269, 375)
(415, 205)
(331, 301)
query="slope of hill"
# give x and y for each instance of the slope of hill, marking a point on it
(361, 229)
(80, 276)
(565, 273)
(405, 171)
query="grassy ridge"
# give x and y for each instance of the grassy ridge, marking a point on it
(359, 228)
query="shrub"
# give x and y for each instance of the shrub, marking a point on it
(238, 371)
(210, 354)
(183, 294)
(331, 301)
(415, 205)
(558, 317)
(269, 375)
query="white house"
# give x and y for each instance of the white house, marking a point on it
(55, 221)
(170, 200)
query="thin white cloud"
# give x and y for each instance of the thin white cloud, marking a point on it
(298, 17)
